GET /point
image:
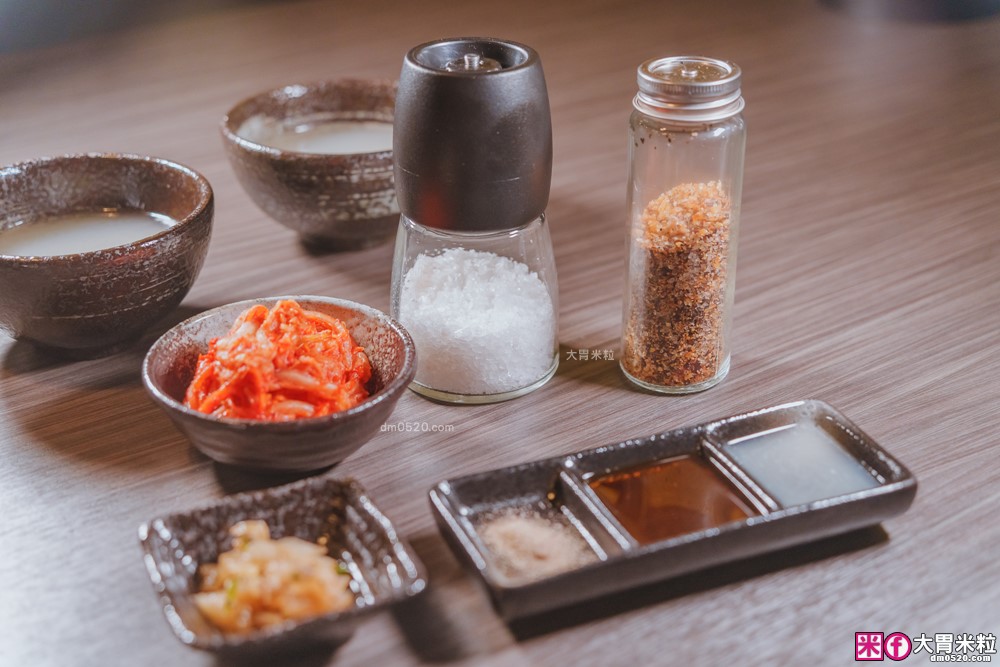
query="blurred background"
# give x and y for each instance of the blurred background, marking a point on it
(27, 24)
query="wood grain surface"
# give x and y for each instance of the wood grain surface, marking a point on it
(869, 276)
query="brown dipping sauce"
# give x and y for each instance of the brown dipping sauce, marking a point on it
(670, 498)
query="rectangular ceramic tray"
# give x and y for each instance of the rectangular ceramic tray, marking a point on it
(558, 487)
(334, 512)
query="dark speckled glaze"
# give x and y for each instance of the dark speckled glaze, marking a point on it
(384, 568)
(88, 303)
(300, 445)
(332, 201)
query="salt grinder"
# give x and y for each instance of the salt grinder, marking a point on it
(473, 274)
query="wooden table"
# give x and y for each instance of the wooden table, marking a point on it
(868, 277)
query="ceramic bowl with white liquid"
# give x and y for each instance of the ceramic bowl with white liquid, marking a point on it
(95, 249)
(318, 159)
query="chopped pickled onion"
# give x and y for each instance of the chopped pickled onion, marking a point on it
(280, 364)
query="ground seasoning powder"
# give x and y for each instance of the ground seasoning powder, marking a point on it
(527, 546)
(674, 329)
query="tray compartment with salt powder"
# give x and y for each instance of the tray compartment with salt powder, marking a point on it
(554, 532)
(523, 531)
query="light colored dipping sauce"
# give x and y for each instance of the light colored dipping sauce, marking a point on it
(800, 463)
(671, 498)
(81, 232)
(341, 137)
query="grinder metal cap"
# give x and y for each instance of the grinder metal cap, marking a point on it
(472, 135)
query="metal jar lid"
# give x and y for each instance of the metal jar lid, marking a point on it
(472, 135)
(689, 88)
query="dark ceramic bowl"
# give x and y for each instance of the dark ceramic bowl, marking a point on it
(300, 445)
(384, 569)
(338, 202)
(93, 302)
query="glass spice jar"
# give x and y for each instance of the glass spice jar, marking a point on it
(686, 146)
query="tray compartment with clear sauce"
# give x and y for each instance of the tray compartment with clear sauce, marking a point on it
(803, 455)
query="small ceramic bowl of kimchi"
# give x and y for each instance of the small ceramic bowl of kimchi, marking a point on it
(290, 383)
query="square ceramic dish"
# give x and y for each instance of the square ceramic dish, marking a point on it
(771, 511)
(384, 570)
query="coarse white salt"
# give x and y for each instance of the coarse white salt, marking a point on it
(482, 323)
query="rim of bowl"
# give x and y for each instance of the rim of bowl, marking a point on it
(395, 386)
(232, 134)
(204, 200)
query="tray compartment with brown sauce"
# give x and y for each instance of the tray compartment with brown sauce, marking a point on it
(652, 508)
